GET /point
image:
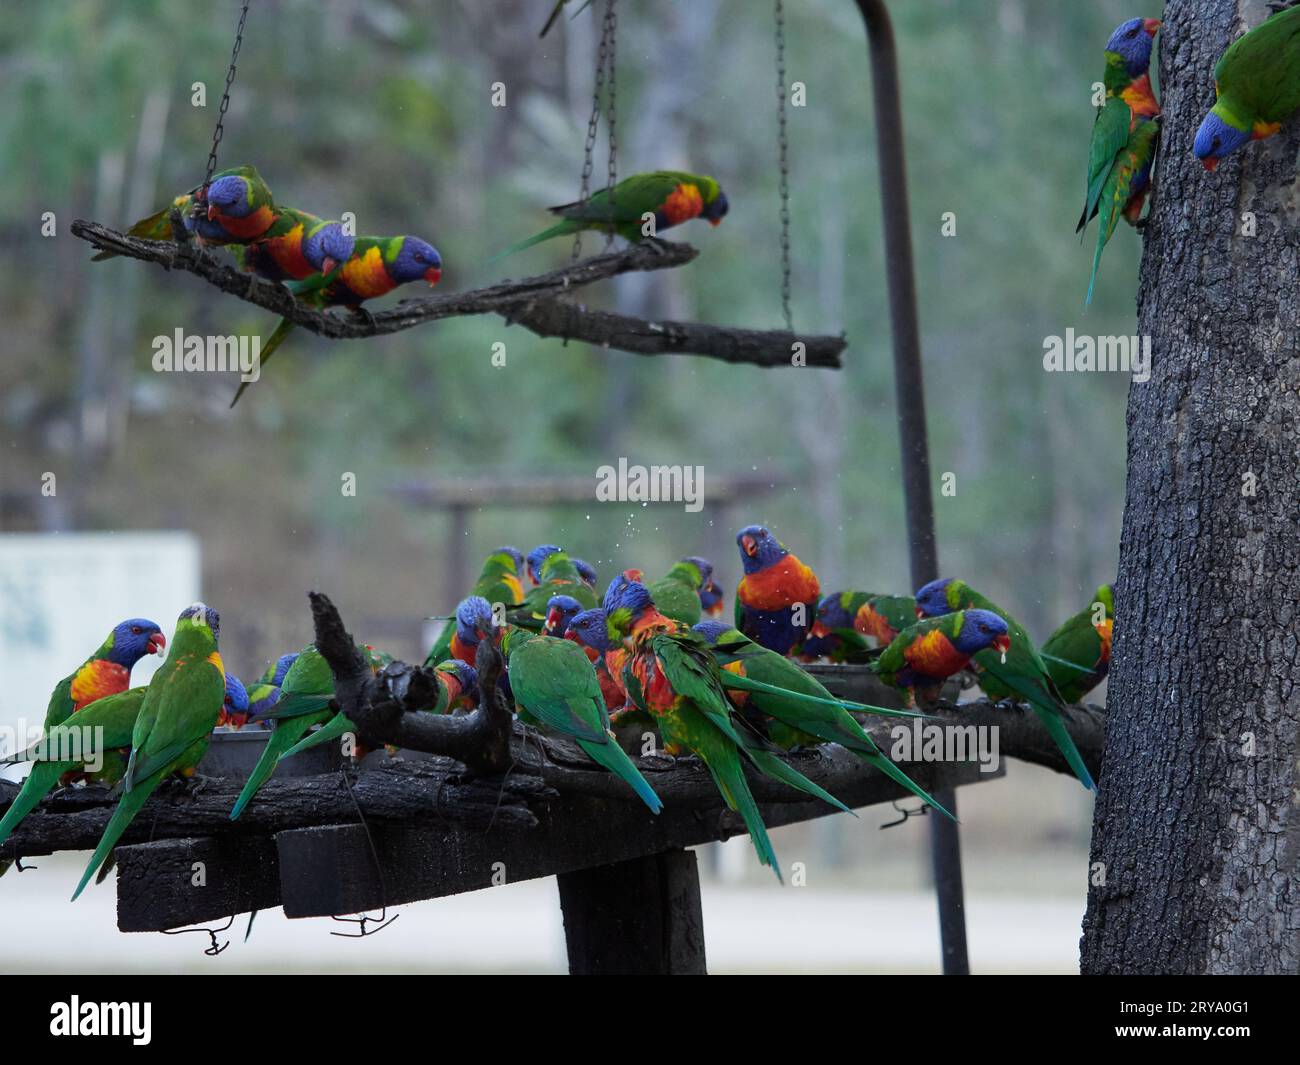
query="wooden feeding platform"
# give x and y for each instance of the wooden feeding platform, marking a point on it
(399, 829)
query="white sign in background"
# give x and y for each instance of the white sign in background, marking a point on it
(61, 593)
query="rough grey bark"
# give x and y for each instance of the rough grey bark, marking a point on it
(1199, 838)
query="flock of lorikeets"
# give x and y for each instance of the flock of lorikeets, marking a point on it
(654, 652)
(1257, 86)
(324, 265)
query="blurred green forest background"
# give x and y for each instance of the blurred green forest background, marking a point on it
(383, 108)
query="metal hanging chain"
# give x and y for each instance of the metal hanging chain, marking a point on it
(611, 29)
(603, 61)
(784, 142)
(225, 96)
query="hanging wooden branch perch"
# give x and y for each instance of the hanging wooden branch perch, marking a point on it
(533, 302)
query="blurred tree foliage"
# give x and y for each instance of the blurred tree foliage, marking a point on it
(383, 107)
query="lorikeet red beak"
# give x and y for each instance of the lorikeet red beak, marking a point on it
(749, 545)
(552, 621)
(327, 265)
(1002, 644)
(156, 643)
(433, 275)
(715, 222)
(1210, 163)
(212, 212)
(1151, 25)
(819, 629)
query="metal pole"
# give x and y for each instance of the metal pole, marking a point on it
(909, 389)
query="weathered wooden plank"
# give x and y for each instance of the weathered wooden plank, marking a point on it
(637, 917)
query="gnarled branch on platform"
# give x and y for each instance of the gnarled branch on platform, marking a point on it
(533, 302)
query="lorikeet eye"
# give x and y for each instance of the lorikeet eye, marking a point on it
(1133, 32)
(136, 629)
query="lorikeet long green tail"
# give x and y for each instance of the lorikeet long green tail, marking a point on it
(99, 731)
(555, 686)
(179, 710)
(668, 197)
(1257, 88)
(798, 721)
(1124, 192)
(1019, 673)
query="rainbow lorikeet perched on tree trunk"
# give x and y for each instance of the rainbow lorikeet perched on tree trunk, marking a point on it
(1017, 673)
(928, 652)
(376, 266)
(671, 674)
(88, 743)
(1077, 654)
(171, 732)
(555, 688)
(1121, 151)
(498, 582)
(1257, 87)
(677, 593)
(638, 208)
(798, 722)
(457, 687)
(107, 671)
(776, 600)
(234, 208)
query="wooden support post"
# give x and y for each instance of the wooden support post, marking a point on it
(635, 918)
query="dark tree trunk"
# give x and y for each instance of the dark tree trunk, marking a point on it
(1197, 828)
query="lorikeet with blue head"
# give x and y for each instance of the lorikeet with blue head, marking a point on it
(1123, 144)
(586, 571)
(670, 196)
(234, 208)
(670, 673)
(1077, 654)
(677, 593)
(928, 652)
(776, 600)
(555, 688)
(792, 721)
(711, 598)
(376, 266)
(175, 722)
(107, 671)
(297, 246)
(832, 634)
(1017, 672)
(498, 582)
(1256, 86)
(266, 691)
(457, 688)
(88, 744)
(235, 706)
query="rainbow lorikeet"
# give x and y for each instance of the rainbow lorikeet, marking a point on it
(555, 13)
(1256, 85)
(1018, 672)
(671, 197)
(796, 722)
(107, 671)
(711, 598)
(586, 571)
(552, 572)
(556, 689)
(928, 652)
(88, 743)
(1121, 149)
(376, 266)
(832, 634)
(560, 612)
(175, 722)
(498, 582)
(457, 687)
(1126, 187)
(1077, 654)
(242, 210)
(235, 704)
(670, 673)
(306, 699)
(297, 246)
(677, 593)
(776, 600)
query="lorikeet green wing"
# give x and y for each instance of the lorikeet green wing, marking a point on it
(1124, 190)
(554, 682)
(179, 710)
(677, 594)
(1110, 132)
(1077, 654)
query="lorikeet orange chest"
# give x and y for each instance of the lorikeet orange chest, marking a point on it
(96, 679)
(682, 204)
(286, 253)
(871, 622)
(932, 657)
(249, 227)
(365, 276)
(462, 650)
